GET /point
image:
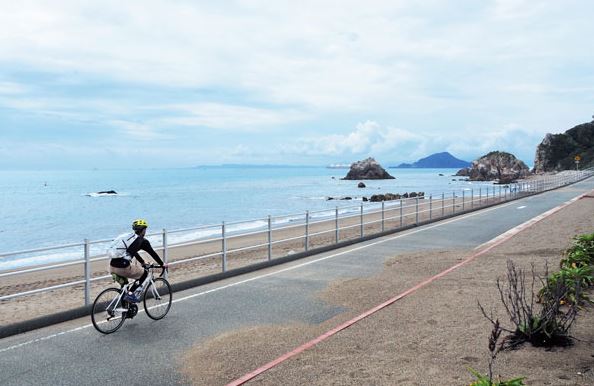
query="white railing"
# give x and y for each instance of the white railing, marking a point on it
(376, 218)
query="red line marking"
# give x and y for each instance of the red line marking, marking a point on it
(509, 234)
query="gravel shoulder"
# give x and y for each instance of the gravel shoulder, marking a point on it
(429, 337)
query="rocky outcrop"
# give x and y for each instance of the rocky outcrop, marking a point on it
(558, 151)
(496, 166)
(391, 196)
(361, 185)
(368, 169)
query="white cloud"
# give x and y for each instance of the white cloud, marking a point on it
(225, 116)
(368, 138)
(12, 88)
(138, 130)
(428, 71)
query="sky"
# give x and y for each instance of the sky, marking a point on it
(155, 83)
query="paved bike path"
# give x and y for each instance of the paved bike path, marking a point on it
(147, 352)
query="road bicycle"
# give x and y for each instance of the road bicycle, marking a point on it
(110, 310)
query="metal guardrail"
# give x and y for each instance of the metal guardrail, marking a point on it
(441, 204)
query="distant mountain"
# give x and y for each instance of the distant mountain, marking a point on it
(437, 160)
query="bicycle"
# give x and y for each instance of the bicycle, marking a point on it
(110, 311)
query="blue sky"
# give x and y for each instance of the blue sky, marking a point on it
(155, 83)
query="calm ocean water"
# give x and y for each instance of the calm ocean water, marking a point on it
(46, 208)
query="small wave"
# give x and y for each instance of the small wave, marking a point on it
(105, 194)
(214, 231)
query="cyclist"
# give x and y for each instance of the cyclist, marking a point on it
(124, 248)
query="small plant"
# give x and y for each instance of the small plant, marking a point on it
(585, 241)
(482, 380)
(573, 278)
(576, 257)
(546, 324)
(581, 252)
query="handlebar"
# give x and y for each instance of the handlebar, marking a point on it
(155, 266)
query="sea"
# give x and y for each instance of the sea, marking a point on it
(41, 209)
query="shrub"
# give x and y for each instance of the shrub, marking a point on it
(544, 324)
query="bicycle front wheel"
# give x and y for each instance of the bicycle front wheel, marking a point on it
(157, 299)
(108, 313)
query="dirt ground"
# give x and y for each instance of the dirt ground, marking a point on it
(429, 337)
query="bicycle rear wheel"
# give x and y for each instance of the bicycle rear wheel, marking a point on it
(108, 313)
(157, 299)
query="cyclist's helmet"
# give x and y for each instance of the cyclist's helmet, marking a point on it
(139, 224)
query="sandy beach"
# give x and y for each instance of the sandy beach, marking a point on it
(430, 337)
(322, 233)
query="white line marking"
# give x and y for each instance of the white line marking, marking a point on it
(406, 233)
(521, 207)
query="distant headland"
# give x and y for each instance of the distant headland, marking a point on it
(437, 160)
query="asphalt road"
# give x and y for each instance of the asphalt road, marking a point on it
(144, 351)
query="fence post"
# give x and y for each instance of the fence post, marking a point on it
(87, 274)
(336, 225)
(442, 204)
(463, 198)
(361, 220)
(165, 252)
(471, 198)
(480, 196)
(269, 238)
(401, 213)
(224, 246)
(499, 192)
(306, 230)
(453, 202)
(383, 215)
(430, 207)
(417, 212)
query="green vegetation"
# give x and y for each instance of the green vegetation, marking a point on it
(543, 318)
(576, 273)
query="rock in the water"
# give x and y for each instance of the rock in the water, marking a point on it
(108, 192)
(361, 185)
(377, 198)
(365, 199)
(368, 169)
(496, 165)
